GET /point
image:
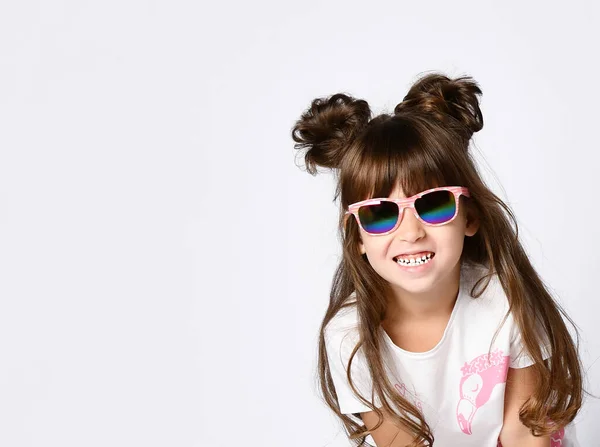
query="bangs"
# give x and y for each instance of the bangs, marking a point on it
(404, 152)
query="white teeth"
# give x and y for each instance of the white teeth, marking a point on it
(415, 261)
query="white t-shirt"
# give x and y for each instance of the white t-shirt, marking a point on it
(460, 393)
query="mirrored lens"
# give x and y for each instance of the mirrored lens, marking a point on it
(436, 207)
(377, 219)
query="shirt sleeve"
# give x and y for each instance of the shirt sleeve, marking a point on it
(570, 436)
(339, 345)
(519, 356)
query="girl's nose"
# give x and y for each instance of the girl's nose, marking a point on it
(410, 228)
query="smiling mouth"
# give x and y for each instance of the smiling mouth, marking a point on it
(414, 261)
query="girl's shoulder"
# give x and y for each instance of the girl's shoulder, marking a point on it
(345, 320)
(483, 288)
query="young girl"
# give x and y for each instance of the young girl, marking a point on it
(438, 326)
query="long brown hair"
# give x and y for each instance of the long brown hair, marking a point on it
(424, 144)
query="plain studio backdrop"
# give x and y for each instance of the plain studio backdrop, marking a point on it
(165, 260)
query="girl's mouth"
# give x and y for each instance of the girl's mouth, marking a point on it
(415, 263)
(413, 260)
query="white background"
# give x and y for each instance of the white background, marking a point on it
(144, 299)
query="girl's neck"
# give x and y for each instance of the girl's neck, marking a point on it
(434, 304)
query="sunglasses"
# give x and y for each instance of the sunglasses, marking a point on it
(434, 207)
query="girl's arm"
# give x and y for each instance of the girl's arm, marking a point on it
(388, 434)
(520, 384)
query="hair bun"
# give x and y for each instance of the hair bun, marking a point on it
(451, 101)
(327, 127)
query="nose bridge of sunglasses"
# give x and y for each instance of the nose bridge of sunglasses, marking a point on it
(408, 209)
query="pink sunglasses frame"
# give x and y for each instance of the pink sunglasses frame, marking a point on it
(408, 202)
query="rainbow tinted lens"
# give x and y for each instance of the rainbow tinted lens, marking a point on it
(380, 218)
(436, 207)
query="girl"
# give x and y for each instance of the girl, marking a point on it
(438, 326)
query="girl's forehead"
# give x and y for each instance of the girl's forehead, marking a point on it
(397, 192)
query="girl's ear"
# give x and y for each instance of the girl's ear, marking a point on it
(472, 223)
(362, 248)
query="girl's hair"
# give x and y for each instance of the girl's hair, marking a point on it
(424, 144)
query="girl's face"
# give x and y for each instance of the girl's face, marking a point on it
(445, 241)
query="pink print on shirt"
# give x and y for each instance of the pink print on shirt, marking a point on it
(401, 387)
(480, 376)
